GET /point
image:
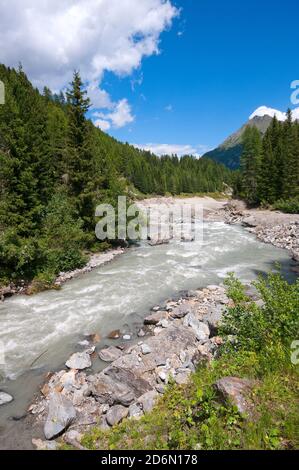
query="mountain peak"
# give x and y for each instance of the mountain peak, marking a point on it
(271, 112)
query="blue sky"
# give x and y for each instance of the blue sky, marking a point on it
(180, 75)
(218, 62)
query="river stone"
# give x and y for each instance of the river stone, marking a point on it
(183, 377)
(135, 412)
(110, 354)
(60, 416)
(5, 398)
(201, 330)
(148, 400)
(45, 445)
(116, 334)
(155, 318)
(181, 311)
(145, 349)
(79, 361)
(116, 414)
(234, 390)
(213, 319)
(127, 378)
(159, 242)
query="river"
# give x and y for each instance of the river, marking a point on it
(114, 296)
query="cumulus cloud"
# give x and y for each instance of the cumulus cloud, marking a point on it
(53, 37)
(174, 149)
(265, 111)
(120, 116)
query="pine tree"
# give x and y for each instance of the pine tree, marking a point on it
(250, 163)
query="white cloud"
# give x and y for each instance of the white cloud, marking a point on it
(102, 124)
(265, 111)
(99, 98)
(53, 37)
(174, 149)
(120, 116)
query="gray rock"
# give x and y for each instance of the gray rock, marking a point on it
(148, 400)
(110, 354)
(156, 309)
(79, 361)
(116, 414)
(60, 416)
(45, 445)
(235, 391)
(141, 333)
(213, 319)
(128, 378)
(145, 349)
(181, 311)
(155, 318)
(162, 375)
(201, 330)
(135, 411)
(164, 323)
(5, 398)
(160, 389)
(182, 378)
(159, 242)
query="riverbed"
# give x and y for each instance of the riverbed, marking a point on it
(39, 333)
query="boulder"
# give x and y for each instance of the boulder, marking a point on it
(235, 391)
(110, 354)
(155, 318)
(200, 329)
(5, 398)
(183, 377)
(135, 411)
(61, 415)
(181, 311)
(148, 400)
(79, 361)
(116, 414)
(213, 319)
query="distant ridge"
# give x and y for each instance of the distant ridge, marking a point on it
(229, 153)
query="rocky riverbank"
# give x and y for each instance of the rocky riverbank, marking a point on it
(274, 227)
(174, 339)
(96, 260)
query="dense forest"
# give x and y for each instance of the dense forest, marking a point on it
(270, 166)
(56, 166)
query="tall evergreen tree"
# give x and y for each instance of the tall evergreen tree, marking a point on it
(251, 162)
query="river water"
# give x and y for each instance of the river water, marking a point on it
(115, 296)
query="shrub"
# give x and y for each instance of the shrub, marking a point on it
(290, 206)
(258, 327)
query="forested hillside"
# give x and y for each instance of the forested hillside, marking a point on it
(56, 166)
(270, 166)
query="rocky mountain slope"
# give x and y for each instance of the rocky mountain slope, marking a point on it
(229, 153)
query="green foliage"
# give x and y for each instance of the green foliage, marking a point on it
(290, 206)
(258, 327)
(270, 166)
